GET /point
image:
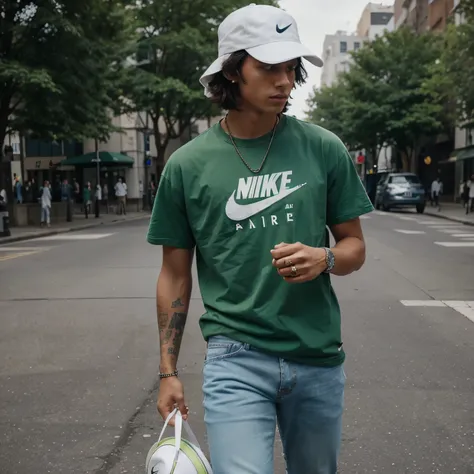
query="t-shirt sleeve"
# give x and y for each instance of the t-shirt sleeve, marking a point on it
(169, 224)
(347, 198)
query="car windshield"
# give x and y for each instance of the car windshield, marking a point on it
(405, 179)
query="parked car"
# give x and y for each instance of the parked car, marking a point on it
(400, 190)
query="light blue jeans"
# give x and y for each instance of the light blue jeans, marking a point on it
(45, 214)
(247, 391)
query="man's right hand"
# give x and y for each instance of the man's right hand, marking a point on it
(171, 396)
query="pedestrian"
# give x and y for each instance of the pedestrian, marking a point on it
(66, 191)
(253, 196)
(141, 192)
(3, 196)
(465, 194)
(470, 203)
(98, 198)
(436, 187)
(105, 197)
(18, 190)
(46, 198)
(86, 198)
(121, 193)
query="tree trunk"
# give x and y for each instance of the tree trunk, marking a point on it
(160, 162)
(3, 134)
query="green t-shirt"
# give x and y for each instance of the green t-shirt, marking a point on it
(207, 198)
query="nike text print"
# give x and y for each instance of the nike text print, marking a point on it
(269, 189)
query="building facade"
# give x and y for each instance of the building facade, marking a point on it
(336, 57)
(464, 137)
(375, 20)
(423, 15)
(134, 139)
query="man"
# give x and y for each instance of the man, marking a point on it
(470, 194)
(253, 195)
(141, 192)
(436, 189)
(46, 205)
(121, 193)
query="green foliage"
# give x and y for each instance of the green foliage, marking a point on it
(452, 77)
(382, 99)
(60, 65)
(178, 42)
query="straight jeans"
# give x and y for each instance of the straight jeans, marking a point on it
(45, 214)
(247, 392)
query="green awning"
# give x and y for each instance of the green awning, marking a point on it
(461, 154)
(107, 158)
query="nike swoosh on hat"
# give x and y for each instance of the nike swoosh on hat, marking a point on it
(240, 212)
(282, 30)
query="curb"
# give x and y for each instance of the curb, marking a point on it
(449, 218)
(66, 230)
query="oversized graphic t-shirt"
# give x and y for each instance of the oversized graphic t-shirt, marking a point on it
(208, 199)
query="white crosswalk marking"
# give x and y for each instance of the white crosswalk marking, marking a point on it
(405, 218)
(74, 237)
(365, 217)
(403, 231)
(445, 225)
(466, 308)
(455, 244)
(433, 303)
(22, 249)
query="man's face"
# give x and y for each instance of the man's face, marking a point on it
(267, 87)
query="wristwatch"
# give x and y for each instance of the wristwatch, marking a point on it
(330, 260)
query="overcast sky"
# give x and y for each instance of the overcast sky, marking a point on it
(316, 19)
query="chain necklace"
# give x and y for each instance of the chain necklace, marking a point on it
(256, 171)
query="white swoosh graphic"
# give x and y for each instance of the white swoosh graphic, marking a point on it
(240, 212)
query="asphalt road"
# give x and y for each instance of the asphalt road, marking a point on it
(79, 351)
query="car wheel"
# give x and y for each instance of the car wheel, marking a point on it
(420, 208)
(377, 205)
(385, 207)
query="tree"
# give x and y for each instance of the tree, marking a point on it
(384, 97)
(178, 41)
(451, 80)
(328, 108)
(60, 63)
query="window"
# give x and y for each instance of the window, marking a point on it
(343, 46)
(49, 148)
(404, 179)
(356, 46)
(380, 18)
(469, 136)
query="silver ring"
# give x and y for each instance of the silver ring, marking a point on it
(294, 271)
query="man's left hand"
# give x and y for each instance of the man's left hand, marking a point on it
(309, 262)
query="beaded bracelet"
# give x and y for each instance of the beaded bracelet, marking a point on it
(165, 376)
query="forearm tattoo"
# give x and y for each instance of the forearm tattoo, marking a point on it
(172, 328)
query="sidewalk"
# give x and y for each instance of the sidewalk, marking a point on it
(79, 223)
(451, 211)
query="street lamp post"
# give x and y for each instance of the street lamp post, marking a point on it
(97, 161)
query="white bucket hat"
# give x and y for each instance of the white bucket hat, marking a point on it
(177, 455)
(268, 34)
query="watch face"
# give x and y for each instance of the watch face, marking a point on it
(330, 260)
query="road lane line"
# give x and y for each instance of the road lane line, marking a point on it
(410, 232)
(455, 244)
(11, 256)
(466, 308)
